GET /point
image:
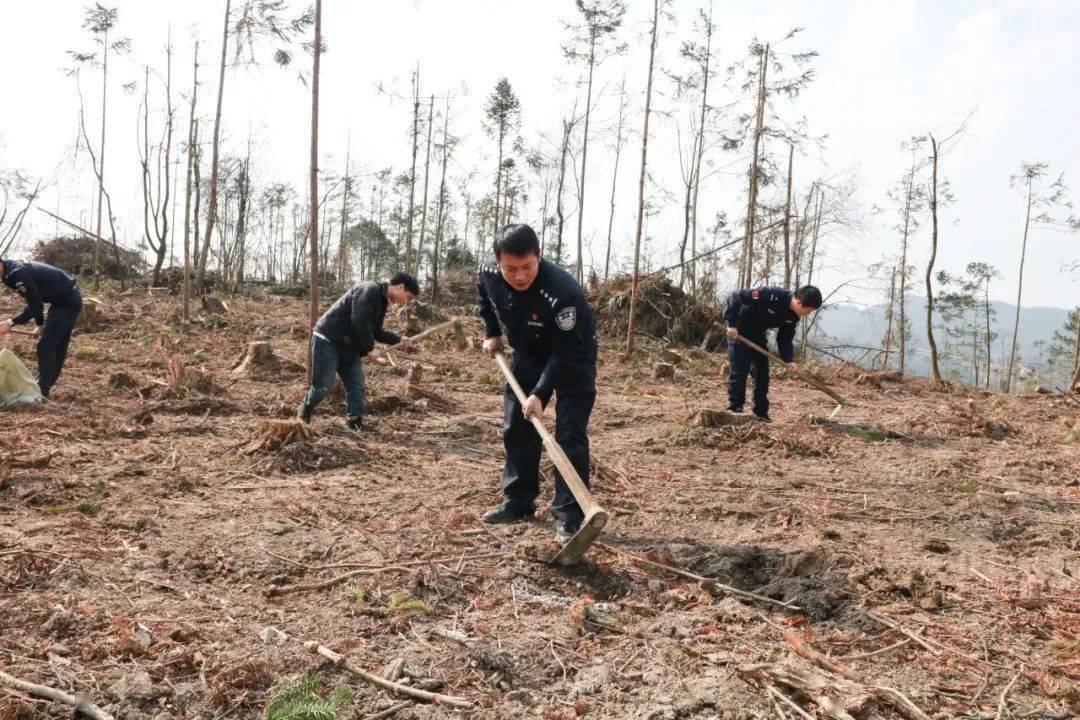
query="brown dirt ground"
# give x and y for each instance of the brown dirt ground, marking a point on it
(135, 558)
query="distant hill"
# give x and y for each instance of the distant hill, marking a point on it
(866, 327)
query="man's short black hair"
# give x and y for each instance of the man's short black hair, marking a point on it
(809, 296)
(517, 239)
(404, 278)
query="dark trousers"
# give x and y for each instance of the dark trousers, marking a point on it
(743, 361)
(328, 358)
(573, 405)
(52, 346)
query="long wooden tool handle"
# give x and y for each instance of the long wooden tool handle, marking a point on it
(770, 354)
(417, 337)
(569, 473)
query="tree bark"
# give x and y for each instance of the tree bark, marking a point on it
(641, 182)
(751, 200)
(423, 206)
(101, 159)
(584, 156)
(930, 264)
(615, 175)
(889, 328)
(412, 173)
(787, 220)
(1074, 384)
(1019, 288)
(212, 201)
(908, 199)
(441, 204)
(313, 229)
(559, 212)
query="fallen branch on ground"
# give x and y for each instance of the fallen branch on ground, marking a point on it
(83, 706)
(391, 687)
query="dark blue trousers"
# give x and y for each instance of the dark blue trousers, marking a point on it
(326, 359)
(52, 346)
(574, 400)
(743, 362)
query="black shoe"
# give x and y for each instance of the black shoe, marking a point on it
(303, 413)
(566, 530)
(357, 424)
(763, 417)
(736, 410)
(508, 512)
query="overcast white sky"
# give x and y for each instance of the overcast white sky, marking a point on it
(886, 71)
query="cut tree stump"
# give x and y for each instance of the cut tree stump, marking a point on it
(671, 356)
(190, 378)
(91, 312)
(709, 418)
(259, 357)
(663, 371)
(214, 306)
(272, 435)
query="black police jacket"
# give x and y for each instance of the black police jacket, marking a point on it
(38, 283)
(755, 310)
(355, 321)
(551, 323)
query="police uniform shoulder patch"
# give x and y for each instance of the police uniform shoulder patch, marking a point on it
(566, 318)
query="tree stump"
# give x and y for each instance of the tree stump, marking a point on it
(274, 434)
(709, 418)
(214, 306)
(663, 371)
(91, 312)
(259, 357)
(670, 356)
(190, 378)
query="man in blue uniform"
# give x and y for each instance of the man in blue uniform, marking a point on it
(345, 334)
(750, 313)
(39, 284)
(552, 330)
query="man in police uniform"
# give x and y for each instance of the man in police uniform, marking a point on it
(750, 313)
(345, 334)
(39, 284)
(552, 330)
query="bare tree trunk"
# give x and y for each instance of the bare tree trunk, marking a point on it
(641, 181)
(412, 173)
(930, 264)
(1019, 289)
(700, 153)
(813, 257)
(751, 195)
(904, 267)
(615, 174)
(559, 212)
(427, 171)
(1074, 383)
(313, 230)
(584, 155)
(212, 202)
(196, 168)
(986, 310)
(498, 179)
(441, 204)
(101, 159)
(787, 219)
(889, 328)
(342, 251)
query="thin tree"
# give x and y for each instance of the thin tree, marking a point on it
(100, 21)
(313, 230)
(933, 256)
(502, 113)
(446, 146)
(600, 20)
(412, 171)
(560, 212)
(620, 139)
(427, 174)
(257, 18)
(1044, 199)
(641, 178)
(156, 199)
(787, 218)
